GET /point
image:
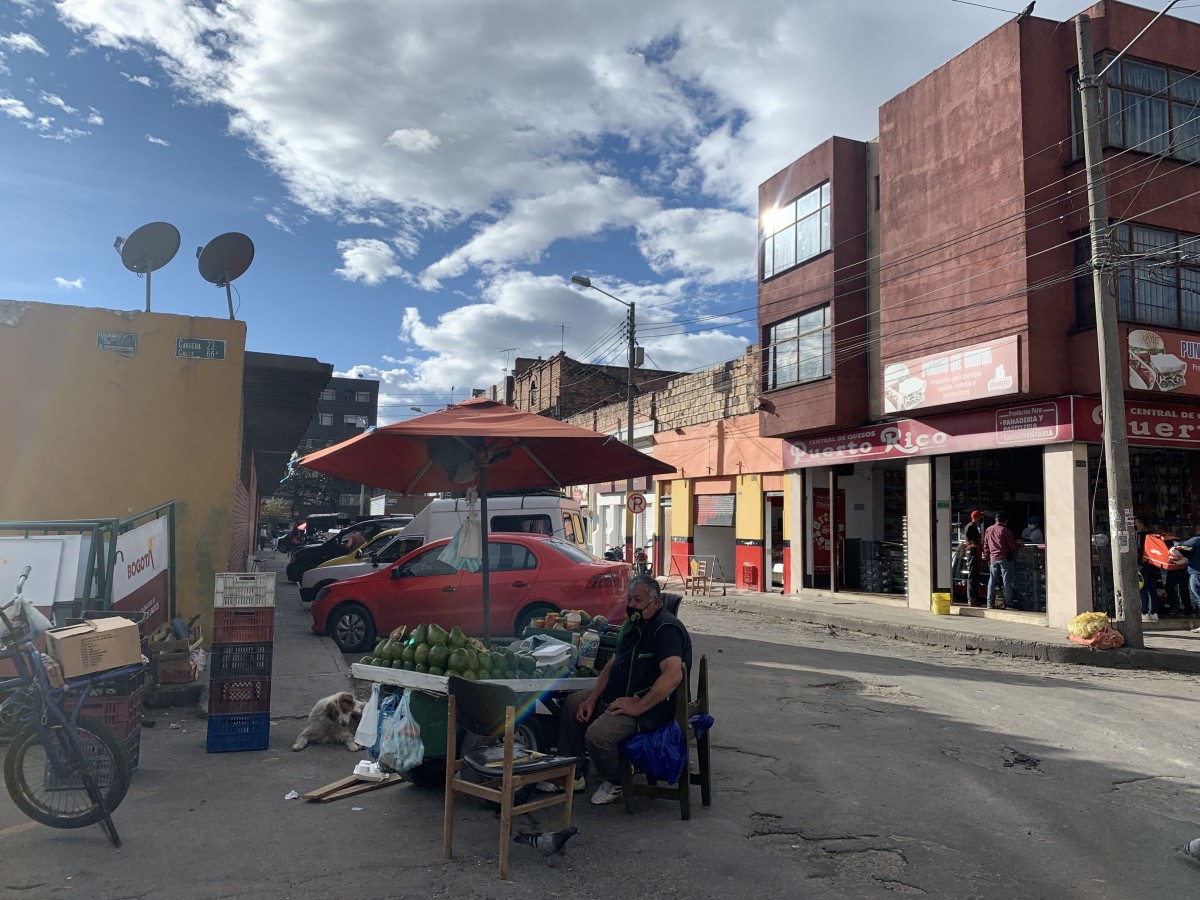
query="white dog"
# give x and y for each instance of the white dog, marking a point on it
(333, 720)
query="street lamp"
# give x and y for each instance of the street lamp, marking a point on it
(584, 281)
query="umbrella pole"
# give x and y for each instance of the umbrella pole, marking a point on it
(487, 577)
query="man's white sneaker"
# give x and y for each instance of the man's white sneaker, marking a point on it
(1153, 617)
(606, 793)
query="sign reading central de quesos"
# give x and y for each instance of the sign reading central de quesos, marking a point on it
(199, 348)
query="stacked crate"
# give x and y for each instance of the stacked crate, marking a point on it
(118, 703)
(239, 691)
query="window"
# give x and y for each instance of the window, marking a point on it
(509, 557)
(324, 418)
(362, 396)
(329, 394)
(1158, 278)
(530, 524)
(348, 396)
(427, 565)
(569, 529)
(354, 421)
(798, 349)
(796, 232)
(1149, 108)
(397, 548)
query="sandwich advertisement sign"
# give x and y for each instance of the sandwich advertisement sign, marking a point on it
(952, 376)
(1163, 361)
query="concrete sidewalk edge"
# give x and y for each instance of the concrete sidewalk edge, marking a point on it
(917, 633)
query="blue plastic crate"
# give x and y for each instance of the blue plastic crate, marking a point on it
(250, 731)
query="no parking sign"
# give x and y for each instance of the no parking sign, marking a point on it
(635, 502)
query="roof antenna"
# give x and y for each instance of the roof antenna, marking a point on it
(225, 258)
(149, 248)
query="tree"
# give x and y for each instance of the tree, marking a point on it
(274, 512)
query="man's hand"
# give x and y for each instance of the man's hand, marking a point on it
(625, 706)
(585, 710)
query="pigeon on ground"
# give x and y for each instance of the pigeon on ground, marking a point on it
(549, 842)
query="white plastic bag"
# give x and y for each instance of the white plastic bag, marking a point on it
(400, 744)
(549, 652)
(368, 725)
(23, 606)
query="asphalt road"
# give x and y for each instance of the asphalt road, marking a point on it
(845, 766)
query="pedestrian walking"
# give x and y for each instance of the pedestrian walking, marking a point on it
(973, 540)
(1000, 548)
(1148, 572)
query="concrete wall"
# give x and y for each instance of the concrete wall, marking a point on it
(96, 434)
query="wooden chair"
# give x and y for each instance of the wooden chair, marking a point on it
(696, 581)
(489, 712)
(682, 791)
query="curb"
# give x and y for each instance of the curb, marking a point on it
(1044, 651)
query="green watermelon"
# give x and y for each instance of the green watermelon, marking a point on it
(377, 661)
(527, 665)
(470, 675)
(483, 662)
(421, 656)
(420, 634)
(457, 639)
(436, 670)
(458, 660)
(410, 653)
(437, 635)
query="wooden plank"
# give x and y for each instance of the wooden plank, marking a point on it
(348, 787)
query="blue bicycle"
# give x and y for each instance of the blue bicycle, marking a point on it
(61, 769)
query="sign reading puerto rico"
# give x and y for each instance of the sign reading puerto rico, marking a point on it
(976, 372)
(199, 348)
(1163, 361)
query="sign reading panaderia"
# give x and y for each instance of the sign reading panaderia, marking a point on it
(199, 348)
(121, 341)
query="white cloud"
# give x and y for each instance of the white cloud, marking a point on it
(76, 285)
(413, 140)
(19, 42)
(367, 260)
(162, 142)
(94, 118)
(27, 9)
(65, 134)
(278, 222)
(716, 245)
(55, 100)
(143, 80)
(14, 108)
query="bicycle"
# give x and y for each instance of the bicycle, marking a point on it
(61, 769)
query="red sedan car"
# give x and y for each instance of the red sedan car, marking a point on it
(531, 575)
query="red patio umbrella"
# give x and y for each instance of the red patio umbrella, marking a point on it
(484, 443)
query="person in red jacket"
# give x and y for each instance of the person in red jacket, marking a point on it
(1000, 549)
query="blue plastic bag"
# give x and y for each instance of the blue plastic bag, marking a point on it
(661, 753)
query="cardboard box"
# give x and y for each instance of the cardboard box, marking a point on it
(95, 646)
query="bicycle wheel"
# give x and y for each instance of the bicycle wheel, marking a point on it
(59, 796)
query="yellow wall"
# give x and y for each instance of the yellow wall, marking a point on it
(748, 513)
(95, 434)
(681, 508)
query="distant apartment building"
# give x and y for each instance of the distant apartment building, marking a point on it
(346, 407)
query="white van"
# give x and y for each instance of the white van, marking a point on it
(534, 513)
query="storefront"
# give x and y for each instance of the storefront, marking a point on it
(1040, 458)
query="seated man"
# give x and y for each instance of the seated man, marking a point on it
(635, 692)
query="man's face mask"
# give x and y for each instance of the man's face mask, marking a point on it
(636, 612)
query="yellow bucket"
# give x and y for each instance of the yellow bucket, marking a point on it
(941, 604)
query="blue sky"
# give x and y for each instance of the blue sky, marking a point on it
(421, 178)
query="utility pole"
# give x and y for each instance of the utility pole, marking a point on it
(586, 282)
(1122, 539)
(629, 390)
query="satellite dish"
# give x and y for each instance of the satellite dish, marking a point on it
(149, 248)
(225, 258)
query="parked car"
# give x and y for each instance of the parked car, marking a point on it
(313, 555)
(383, 549)
(531, 576)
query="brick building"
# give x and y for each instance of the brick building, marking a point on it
(926, 313)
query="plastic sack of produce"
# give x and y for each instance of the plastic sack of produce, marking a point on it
(400, 744)
(1104, 639)
(368, 726)
(1086, 624)
(661, 753)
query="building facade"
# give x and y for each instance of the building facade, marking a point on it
(926, 312)
(346, 407)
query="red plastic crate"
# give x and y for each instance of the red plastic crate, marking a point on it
(122, 714)
(251, 731)
(239, 695)
(243, 624)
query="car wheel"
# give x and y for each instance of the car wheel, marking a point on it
(352, 628)
(294, 572)
(531, 612)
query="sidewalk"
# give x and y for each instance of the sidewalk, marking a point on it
(1010, 633)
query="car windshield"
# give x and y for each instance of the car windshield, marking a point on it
(571, 551)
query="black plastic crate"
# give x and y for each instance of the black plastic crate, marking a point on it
(239, 695)
(121, 686)
(240, 660)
